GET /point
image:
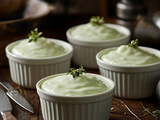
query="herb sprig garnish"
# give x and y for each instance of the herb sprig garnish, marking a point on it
(155, 114)
(96, 20)
(134, 43)
(76, 72)
(34, 35)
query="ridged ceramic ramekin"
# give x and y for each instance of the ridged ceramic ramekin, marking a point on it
(26, 72)
(86, 50)
(132, 82)
(89, 107)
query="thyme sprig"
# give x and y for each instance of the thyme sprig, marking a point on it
(34, 35)
(96, 20)
(76, 72)
(155, 114)
(134, 43)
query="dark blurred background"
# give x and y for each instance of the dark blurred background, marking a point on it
(54, 17)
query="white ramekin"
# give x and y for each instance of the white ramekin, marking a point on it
(89, 107)
(86, 50)
(26, 72)
(132, 82)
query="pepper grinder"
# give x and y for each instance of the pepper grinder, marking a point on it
(127, 12)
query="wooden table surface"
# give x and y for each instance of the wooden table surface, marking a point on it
(119, 109)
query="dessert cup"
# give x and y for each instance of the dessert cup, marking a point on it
(27, 71)
(86, 50)
(132, 82)
(88, 107)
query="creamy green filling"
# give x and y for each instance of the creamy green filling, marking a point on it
(42, 48)
(95, 32)
(68, 86)
(125, 55)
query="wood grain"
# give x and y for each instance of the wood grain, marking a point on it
(8, 116)
(118, 110)
(53, 30)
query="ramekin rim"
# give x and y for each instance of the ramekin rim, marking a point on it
(100, 41)
(124, 66)
(75, 97)
(35, 59)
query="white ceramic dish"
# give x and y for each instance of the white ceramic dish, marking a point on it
(132, 82)
(89, 107)
(26, 72)
(85, 51)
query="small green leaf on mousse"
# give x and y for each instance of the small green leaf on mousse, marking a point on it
(96, 20)
(134, 43)
(34, 35)
(76, 72)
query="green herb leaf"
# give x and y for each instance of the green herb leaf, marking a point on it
(34, 35)
(76, 72)
(96, 20)
(155, 114)
(134, 43)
